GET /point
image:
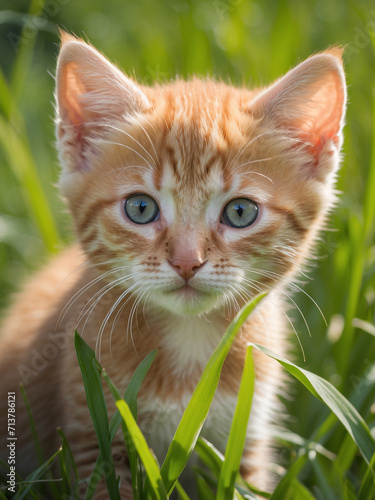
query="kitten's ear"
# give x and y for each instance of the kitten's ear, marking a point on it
(309, 101)
(90, 93)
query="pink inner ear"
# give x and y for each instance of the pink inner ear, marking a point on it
(322, 117)
(71, 90)
(308, 101)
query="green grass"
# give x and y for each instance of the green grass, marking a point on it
(247, 42)
(221, 479)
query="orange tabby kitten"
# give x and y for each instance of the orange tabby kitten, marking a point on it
(188, 199)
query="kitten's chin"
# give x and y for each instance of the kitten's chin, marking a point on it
(187, 301)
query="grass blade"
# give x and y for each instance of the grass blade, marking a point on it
(338, 404)
(19, 157)
(369, 197)
(182, 495)
(214, 459)
(237, 434)
(321, 479)
(131, 395)
(91, 371)
(299, 492)
(135, 383)
(24, 51)
(34, 433)
(209, 455)
(149, 463)
(131, 398)
(367, 489)
(38, 448)
(6, 98)
(197, 409)
(246, 494)
(67, 463)
(204, 490)
(285, 487)
(35, 476)
(344, 457)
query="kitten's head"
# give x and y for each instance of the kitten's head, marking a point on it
(195, 193)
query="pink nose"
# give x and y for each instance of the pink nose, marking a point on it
(186, 268)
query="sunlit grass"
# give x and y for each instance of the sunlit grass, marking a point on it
(221, 479)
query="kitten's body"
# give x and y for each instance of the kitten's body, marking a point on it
(47, 365)
(193, 147)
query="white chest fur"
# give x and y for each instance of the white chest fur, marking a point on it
(190, 343)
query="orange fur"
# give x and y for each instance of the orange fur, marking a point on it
(176, 282)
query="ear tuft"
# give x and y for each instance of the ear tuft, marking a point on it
(336, 51)
(66, 37)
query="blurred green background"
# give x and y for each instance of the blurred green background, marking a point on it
(246, 42)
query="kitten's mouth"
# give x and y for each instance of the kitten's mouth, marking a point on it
(187, 300)
(189, 294)
(187, 291)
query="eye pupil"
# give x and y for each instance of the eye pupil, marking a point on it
(239, 210)
(142, 206)
(141, 209)
(240, 213)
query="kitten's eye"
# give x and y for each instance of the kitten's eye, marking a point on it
(141, 209)
(240, 213)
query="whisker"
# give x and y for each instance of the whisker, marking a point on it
(131, 289)
(143, 299)
(132, 138)
(151, 168)
(295, 332)
(87, 310)
(252, 172)
(87, 263)
(105, 288)
(81, 291)
(276, 277)
(230, 303)
(131, 317)
(144, 306)
(148, 137)
(250, 283)
(247, 145)
(237, 306)
(115, 321)
(106, 319)
(132, 166)
(150, 124)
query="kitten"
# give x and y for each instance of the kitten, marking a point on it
(188, 199)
